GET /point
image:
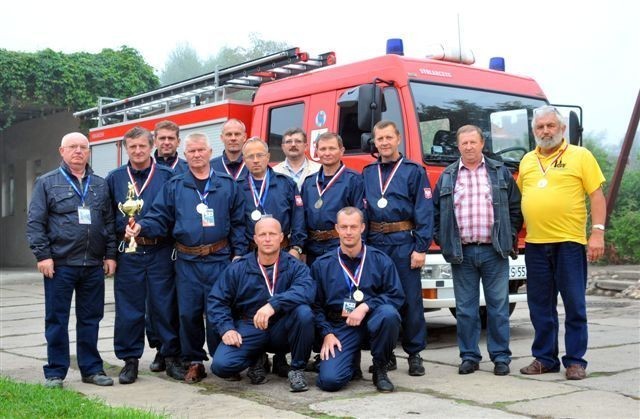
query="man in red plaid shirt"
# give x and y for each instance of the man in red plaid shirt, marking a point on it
(477, 219)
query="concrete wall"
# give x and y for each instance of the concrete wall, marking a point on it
(29, 149)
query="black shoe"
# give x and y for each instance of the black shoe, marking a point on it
(381, 379)
(313, 366)
(501, 368)
(297, 382)
(468, 367)
(416, 368)
(129, 373)
(280, 366)
(99, 379)
(158, 364)
(257, 373)
(391, 366)
(175, 368)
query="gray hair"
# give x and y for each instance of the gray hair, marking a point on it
(546, 110)
(197, 136)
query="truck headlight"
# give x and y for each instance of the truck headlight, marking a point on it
(436, 271)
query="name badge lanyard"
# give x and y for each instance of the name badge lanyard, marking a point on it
(146, 182)
(385, 186)
(543, 182)
(271, 285)
(235, 177)
(202, 206)
(353, 278)
(75, 188)
(321, 191)
(259, 197)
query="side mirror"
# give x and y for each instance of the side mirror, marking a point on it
(366, 143)
(368, 100)
(575, 129)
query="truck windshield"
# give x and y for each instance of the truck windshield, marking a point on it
(503, 118)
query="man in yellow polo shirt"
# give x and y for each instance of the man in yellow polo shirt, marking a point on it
(554, 179)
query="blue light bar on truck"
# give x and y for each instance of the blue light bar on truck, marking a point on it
(394, 46)
(496, 63)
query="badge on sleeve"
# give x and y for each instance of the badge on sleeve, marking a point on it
(348, 306)
(207, 218)
(84, 215)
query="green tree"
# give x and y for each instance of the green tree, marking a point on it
(53, 80)
(183, 63)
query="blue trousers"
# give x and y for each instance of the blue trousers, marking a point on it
(294, 331)
(552, 268)
(88, 284)
(381, 327)
(414, 327)
(482, 261)
(194, 281)
(144, 281)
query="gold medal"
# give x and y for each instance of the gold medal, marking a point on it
(358, 296)
(542, 183)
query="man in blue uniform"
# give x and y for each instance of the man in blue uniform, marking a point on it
(358, 298)
(204, 212)
(167, 139)
(233, 136)
(333, 187)
(71, 233)
(262, 303)
(400, 213)
(147, 271)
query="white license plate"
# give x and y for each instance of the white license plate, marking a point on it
(517, 272)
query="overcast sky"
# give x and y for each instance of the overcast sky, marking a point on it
(579, 54)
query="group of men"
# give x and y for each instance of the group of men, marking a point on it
(306, 256)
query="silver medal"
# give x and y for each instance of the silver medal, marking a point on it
(318, 203)
(256, 215)
(201, 208)
(358, 296)
(542, 183)
(382, 202)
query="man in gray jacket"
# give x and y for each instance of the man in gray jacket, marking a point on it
(477, 219)
(70, 230)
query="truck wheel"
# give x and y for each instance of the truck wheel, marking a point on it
(483, 313)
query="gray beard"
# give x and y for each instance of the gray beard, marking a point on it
(546, 144)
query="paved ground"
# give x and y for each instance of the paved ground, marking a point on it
(612, 389)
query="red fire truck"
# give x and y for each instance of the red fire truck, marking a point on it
(429, 100)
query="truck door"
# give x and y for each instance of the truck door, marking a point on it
(320, 118)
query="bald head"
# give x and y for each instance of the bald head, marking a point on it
(75, 137)
(268, 236)
(268, 223)
(74, 150)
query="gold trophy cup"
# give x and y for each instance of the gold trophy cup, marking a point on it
(130, 208)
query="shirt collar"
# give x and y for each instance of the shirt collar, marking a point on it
(305, 163)
(461, 165)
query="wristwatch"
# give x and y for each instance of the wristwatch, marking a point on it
(297, 249)
(598, 227)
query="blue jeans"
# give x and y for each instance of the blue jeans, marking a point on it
(552, 268)
(482, 261)
(88, 284)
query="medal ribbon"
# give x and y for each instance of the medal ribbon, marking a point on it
(352, 277)
(206, 189)
(271, 288)
(259, 198)
(543, 170)
(383, 189)
(235, 177)
(321, 191)
(146, 182)
(75, 188)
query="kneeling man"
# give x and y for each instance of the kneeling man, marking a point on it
(358, 298)
(262, 303)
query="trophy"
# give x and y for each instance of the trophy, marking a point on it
(131, 207)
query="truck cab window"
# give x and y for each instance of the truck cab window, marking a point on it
(281, 119)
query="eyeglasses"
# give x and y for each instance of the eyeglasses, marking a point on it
(546, 109)
(290, 142)
(258, 156)
(80, 147)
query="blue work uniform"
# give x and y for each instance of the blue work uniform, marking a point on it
(147, 272)
(174, 211)
(408, 199)
(174, 163)
(347, 191)
(242, 291)
(382, 293)
(281, 200)
(72, 223)
(236, 169)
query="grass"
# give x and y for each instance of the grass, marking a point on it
(19, 400)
